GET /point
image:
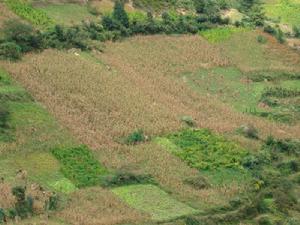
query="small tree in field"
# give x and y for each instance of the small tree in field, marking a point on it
(120, 14)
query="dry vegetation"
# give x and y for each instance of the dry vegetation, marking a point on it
(5, 14)
(97, 206)
(134, 84)
(247, 54)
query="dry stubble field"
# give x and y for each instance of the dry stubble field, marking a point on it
(132, 85)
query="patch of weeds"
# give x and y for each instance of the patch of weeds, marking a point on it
(189, 121)
(198, 182)
(63, 185)
(202, 149)
(5, 127)
(248, 131)
(260, 76)
(261, 39)
(19, 96)
(134, 138)
(122, 178)
(275, 116)
(285, 146)
(280, 92)
(79, 165)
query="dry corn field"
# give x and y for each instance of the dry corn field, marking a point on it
(135, 84)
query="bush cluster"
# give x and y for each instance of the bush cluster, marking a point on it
(79, 165)
(20, 38)
(122, 178)
(24, 205)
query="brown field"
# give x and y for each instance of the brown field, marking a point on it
(97, 206)
(5, 14)
(135, 84)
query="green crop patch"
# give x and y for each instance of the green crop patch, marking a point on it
(220, 34)
(154, 201)
(26, 11)
(204, 150)
(79, 165)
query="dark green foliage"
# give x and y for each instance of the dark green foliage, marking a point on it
(192, 221)
(280, 36)
(10, 50)
(289, 167)
(2, 215)
(23, 35)
(260, 76)
(296, 30)
(279, 117)
(248, 131)
(280, 92)
(122, 178)
(23, 205)
(135, 138)
(255, 16)
(202, 149)
(5, 128)
(198, 182)
(261, 39)
(79, 165)
(285, 146)
(119, 14)
(269, 29)
(53, 202)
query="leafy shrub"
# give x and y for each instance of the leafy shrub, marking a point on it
(202, 149)
(53, 202)
(198, 182)
(79, 165)
(248, 131)
(261, 39)
(23, 35)
(24, 10)
(10, 50)
(23, 206)
(286, 146)
(2, 215)
(269, 29)
(296, 31)
(290, 166)
(188, 120)
(280, 36)
(122, 178)
(135, 138)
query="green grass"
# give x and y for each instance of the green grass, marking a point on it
(233, 87)
(24, 10)
(220, 34)
(79, 165)
(35, 134)
(203, 150)
(67, 14)
(287, 11)
(154, 201)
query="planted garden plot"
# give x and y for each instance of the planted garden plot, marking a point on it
(154, 201)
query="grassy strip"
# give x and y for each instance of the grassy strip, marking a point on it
(79, 165)
(202, 149)
(153, 200)
(35, 16)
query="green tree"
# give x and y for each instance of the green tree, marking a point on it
(120, 14)
(9, 50)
